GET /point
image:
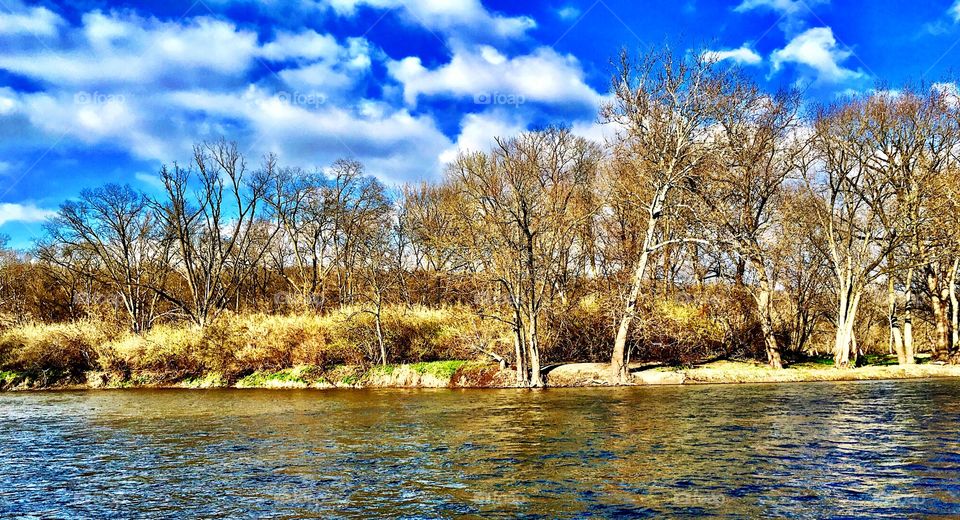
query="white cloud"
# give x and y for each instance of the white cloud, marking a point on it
(568, 12)
(949, 91)
(817, 48)
(743, 55)
(485, 74)
(14, 212)
(306, 45)
(394, 144)
(788, 7)
(98, 89)
(459, 19)
(792, 13)
(152, 180)
(336, 70)
(37, 21)
(9, 101)
(478, 131)
(954, 11)
(131, 50)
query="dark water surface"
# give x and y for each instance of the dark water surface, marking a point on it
(879, 449)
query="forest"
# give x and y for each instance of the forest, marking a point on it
(722, 221)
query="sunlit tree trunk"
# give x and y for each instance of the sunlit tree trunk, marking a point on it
(954, 308)
(536, 378)
(940, 304)
(848, 302)
(764, 299)
(618, 364)
(896, 335)
(908, 347)
(519, 342)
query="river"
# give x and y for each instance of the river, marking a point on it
(878, 449)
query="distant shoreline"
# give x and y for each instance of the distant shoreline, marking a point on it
(479, 375)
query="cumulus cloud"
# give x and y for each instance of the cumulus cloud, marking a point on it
(337, 69)
(478, 132)
(817, 49)
(395, 144)
(36, 21)
(792, 13)
(487, 75)
(120, 49)
(306, 45)
(123, 82)
(101, 90)
(743, 55)
(449, 17)
(23, 212)
(786, 7)
(954, 11)
(568, 12)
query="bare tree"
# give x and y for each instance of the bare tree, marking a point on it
(113, 227)
(665, 107)
(211, 228)
(523, 204)
(303, 248)
(742, 195)
(357, 204)
(858, 212)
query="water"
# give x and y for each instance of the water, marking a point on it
(879, 449)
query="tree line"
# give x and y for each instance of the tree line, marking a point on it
(798, 228)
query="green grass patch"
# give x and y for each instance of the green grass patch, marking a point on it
(211, 380)
(438, 369)
(300, 375)
(383, 370)
(9, 378)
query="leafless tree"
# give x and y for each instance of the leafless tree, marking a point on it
(665, 107)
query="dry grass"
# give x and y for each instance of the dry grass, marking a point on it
(236, 347)
(745, 372)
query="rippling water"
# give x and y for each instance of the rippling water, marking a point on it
(880, 449)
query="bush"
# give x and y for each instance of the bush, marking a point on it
(53, 353)
(237, 346)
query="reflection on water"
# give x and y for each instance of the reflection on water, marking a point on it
(880, 449)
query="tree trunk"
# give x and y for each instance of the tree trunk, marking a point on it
(848, 302)
(954, 308)
(940, 320)
(618, 363)
(383, 347)
(908, 346)
(764, 299)
(536, 379)
(896, 335)
(519, 345)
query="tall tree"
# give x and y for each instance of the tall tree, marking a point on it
(524, 202)
(212, 229)
(664, 107)
(112, 227)
(858, 211)
(742, 195)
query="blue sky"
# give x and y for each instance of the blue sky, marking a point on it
(102, 91)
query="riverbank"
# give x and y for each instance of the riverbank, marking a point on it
(475, 374)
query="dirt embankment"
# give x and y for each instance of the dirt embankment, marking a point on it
(472, 374)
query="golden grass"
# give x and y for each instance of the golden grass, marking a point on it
(235, 347)
(746, 372)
